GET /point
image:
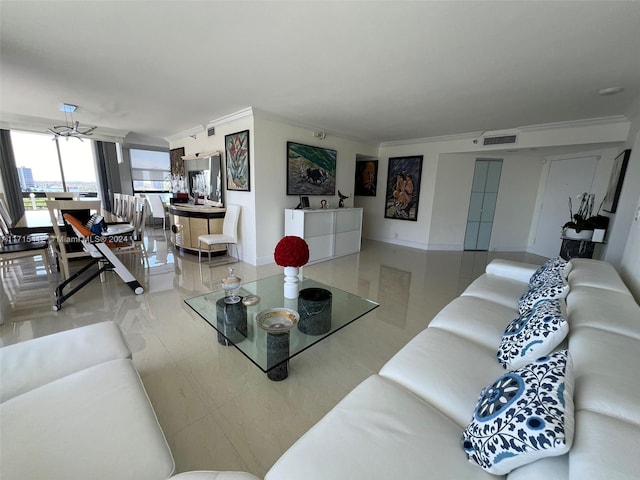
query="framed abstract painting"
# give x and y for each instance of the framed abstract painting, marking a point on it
(236, 146)
(310, 170)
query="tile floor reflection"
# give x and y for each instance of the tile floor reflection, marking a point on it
(219, 411)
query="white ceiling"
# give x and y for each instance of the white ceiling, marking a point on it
(380, 71)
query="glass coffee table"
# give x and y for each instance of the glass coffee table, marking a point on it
(322, 310)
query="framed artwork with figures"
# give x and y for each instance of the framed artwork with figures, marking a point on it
(403, 188)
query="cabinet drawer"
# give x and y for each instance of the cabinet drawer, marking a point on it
(320, 247)
(347, 243)
(321, 223)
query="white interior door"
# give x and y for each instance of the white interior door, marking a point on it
(567, 178)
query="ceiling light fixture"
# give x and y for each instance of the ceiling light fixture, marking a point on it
(70, 128)
(610, 91)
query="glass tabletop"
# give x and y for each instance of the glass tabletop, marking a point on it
(236, 323)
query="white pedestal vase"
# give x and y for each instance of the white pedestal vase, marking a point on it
(291, 282)
(581, 235)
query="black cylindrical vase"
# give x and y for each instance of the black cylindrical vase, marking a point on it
(314, 308)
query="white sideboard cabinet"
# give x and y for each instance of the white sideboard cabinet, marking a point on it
(329, 233)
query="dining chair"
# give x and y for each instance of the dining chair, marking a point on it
(13, 247)
(65, 243)
(157, 209)
(139, 206)
(229, 235)
(61, 195)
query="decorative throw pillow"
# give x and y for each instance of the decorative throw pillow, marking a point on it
(550, 290)
(533, 334)
(523, 416)
(553, 266)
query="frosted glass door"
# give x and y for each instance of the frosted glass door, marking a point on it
(482, 204)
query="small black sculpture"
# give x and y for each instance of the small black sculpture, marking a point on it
(342, 197)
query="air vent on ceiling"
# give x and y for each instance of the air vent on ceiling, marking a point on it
(500, 140)
(211, 131)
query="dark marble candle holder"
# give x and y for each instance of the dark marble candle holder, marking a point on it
(231, 322)
(314, 308)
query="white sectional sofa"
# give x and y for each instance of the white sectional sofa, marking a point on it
(73, 407)
(407, 421)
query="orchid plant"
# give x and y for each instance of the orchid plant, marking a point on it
(583, 219)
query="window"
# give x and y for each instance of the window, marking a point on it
(150, 170)
(43, 168)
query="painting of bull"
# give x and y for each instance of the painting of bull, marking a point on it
(310, 170)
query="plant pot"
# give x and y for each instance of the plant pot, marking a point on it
(574, 235)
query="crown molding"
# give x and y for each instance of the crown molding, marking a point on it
(266, 115)
(440, 138)
(527, 128)
(232, 117)
(585, 122)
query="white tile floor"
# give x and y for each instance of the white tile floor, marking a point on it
(219, 411)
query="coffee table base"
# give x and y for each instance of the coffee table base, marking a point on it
(278, 351)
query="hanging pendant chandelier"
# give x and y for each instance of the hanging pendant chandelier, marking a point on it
(71, 128)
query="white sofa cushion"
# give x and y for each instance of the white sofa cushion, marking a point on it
(444, 369)
(379, 430)
(533, 334)
(604, 447)
(30, 364)
(606, 373)
(95, 424)
(514, 270)
(548, 468)
(595, 273)
(495, 288)
(605, 309)
(522, 416)
(211, 475)
(475, 319)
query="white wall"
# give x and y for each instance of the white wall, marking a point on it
(446, 179)
(623, 219)
(630, 211)
(262, 217)
(403, 232)
(203, 143)
(445, 184)
(514, 210)
(271, 199)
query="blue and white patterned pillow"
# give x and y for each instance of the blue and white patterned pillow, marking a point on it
(546, 276)
(550, 290)
(533, 334)
(551, 268)
(523, 416)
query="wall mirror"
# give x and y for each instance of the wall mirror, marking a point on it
(203, 172)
